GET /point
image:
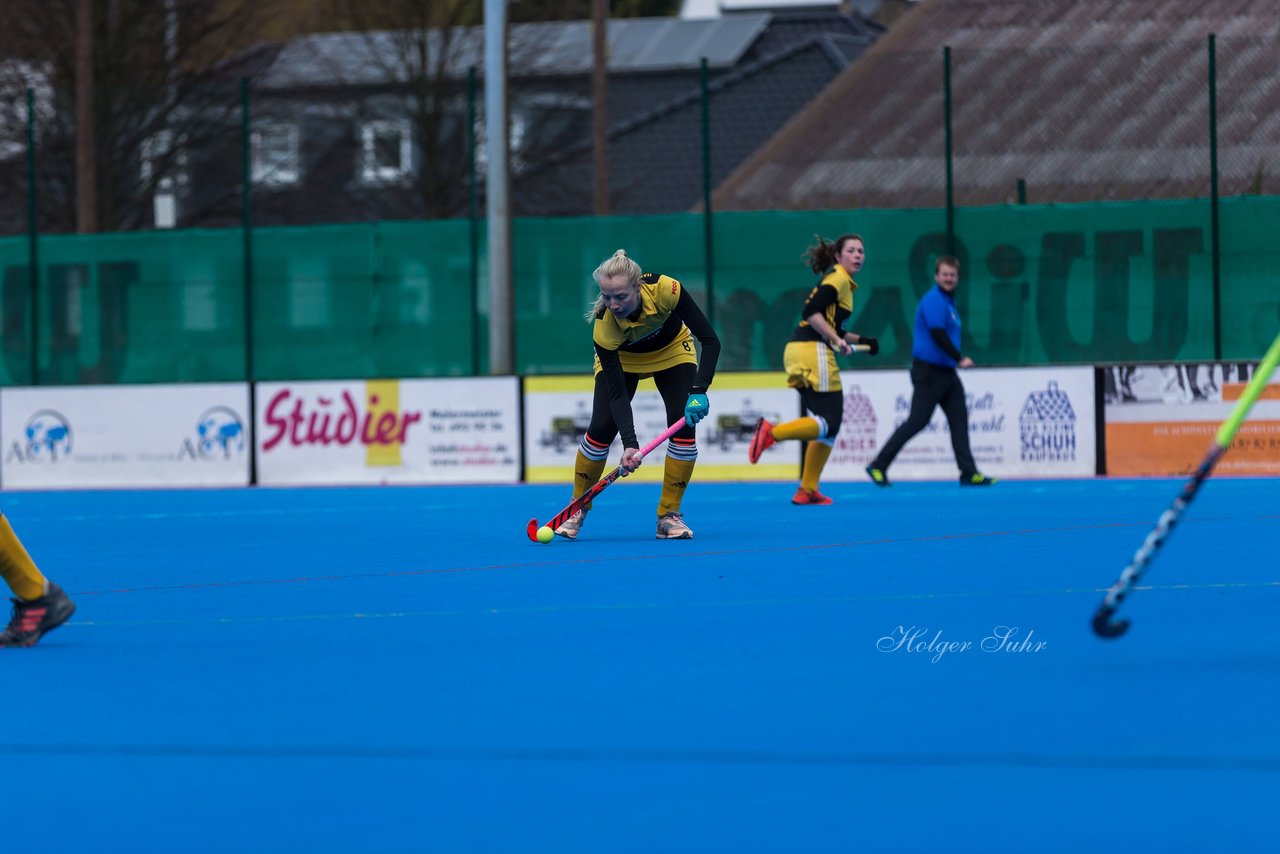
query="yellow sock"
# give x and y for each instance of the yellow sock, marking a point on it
(800, 428)
(815, 458)
(586, 473)
(16, 566)
(675, 479)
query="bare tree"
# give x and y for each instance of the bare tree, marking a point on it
(161, 89)
(411, 67)
(419, 53)
(577, 10)
(166, 105)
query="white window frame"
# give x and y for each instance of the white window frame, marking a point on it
(516, 141)
(370, 171)
(524, 113)
(17, 76)
(165, 201)
(275, 159)
(159, 143)
(517, 132)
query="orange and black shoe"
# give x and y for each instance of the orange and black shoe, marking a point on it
(761, 440)
(32, 619)
(804, 496)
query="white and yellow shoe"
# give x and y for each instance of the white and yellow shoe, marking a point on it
(672, 527)
(570, 527)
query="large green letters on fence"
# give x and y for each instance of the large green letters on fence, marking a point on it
(1040, 284)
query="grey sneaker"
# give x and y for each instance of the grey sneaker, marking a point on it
(570, 527)
(672, 527)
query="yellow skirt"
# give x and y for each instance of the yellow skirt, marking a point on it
(811, 364)
(679, 352)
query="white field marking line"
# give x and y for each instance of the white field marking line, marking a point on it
(652, 606)
(31, 518)
(594, 561)
(753, 756)
(224, 514)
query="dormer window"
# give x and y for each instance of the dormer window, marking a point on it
(275, 159)
(386, 152)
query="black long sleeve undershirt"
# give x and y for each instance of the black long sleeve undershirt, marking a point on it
(940, 336)
(688, 311)
(611, 367)
(823, 296)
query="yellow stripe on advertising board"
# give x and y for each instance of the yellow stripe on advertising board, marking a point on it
(585, 382)
(751, 381)
(382, 398)
(651, 472)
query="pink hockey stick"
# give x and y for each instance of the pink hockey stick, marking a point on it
(586, 497)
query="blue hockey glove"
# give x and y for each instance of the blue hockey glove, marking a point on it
(696, 408)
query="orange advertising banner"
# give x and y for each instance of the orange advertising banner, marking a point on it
(1161, 419)
(1232, 392)
(1176, 448)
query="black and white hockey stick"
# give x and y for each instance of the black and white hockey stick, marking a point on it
(1103, 624)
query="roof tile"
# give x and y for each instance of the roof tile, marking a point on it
(1084, 99)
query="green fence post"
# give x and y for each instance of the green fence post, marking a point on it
(707, 234)
(473, 271)
(246, 172)
(33, 234)
(946, 117)
(1215, 256)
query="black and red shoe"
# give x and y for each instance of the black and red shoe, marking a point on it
(32, 619)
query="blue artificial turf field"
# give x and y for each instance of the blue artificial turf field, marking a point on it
(400, 669)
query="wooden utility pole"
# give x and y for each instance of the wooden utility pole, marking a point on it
(600, 105)
(86, 154)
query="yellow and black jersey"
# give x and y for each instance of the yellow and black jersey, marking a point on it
(654, 324)
(653, 338)
(658, 335)
(832, 297)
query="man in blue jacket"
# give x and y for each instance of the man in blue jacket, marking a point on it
(935, 355)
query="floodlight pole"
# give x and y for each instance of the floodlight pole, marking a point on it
(501, 298)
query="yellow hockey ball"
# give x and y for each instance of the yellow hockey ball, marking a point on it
(545, 534)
